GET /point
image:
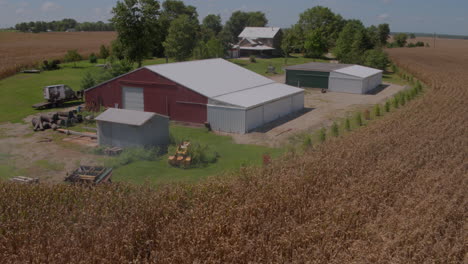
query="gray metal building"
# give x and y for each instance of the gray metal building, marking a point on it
(344, 78)
(130, 128)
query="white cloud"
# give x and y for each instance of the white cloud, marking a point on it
(383, 16)
(50, 6)
(20, 11)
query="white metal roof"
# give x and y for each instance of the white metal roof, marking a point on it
(358, 71)
(211, 78)
(259, 32)
(259, 95)
(261, 47)
(124, 116)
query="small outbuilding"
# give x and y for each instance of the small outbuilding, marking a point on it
(130, 128)
(335, 77)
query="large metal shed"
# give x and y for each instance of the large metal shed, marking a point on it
(131, 128)
(312, 75)
(227, 96)
(334, 77)
(355, 79)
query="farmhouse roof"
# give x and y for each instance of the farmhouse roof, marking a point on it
(126, 117)
(259, 32)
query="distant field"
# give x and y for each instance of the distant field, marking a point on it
(20, 50)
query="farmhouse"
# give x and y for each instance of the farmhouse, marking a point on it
(260, 41)
(334, 77)
(227, 96)
(129, 128)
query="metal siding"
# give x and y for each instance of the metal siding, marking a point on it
(133, 98)
(153, 133)
(226, 119)
(345, 83)
(298, 102)
(277, 109)
(312, 79)
(254, 118)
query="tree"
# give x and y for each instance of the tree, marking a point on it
(376, 58)
(181, 38)
(412, 36)
(93, 58)
(373, 35)
(287, 43)
(215, 48)
(171, 10)
(322, 19)
(239, 20)
(136, 22)
(72, 56)
(400, 39)
(213, 23)
(315, 44)
(88, 81)
(384, 33)
(104, 52)
(352, 42)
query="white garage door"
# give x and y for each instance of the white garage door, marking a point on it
(133, 98)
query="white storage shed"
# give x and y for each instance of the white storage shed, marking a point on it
(355, 79)
(131, 128)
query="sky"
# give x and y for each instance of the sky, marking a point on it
(441, 16)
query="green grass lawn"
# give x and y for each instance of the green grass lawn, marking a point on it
(232, 156)
(261, 65)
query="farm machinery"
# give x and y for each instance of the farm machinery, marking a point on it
(56, 95)
(182, 156)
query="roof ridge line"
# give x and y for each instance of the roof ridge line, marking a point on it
(244, 89)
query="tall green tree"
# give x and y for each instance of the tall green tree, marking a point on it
(352, 42)
(287, 43)
(376, 58)
(315, 44)
(181, 39)
(136, 22)
(171, 10)
(239, 20)
(384, 33)
(321, 19)
(213, 23)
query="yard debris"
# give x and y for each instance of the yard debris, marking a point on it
(113, 151)
(56, 120)
(90, 174)
(31, 71)
(22, 179)
(182, 156)
(71, 132)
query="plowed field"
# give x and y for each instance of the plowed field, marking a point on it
(19, 50)
(392, 192)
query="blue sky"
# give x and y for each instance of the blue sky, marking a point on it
(442, 16)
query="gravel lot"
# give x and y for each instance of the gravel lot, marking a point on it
(320, 110)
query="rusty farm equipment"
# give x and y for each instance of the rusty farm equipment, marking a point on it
(56, 95)
(182, 156)
(90, 174)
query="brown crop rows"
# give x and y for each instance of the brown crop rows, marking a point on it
(392, 192)
(19, 50)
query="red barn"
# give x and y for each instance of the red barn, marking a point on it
(229, 97)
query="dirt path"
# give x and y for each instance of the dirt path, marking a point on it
(41, 154)
(320, 110)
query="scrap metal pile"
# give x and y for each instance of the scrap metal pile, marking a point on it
(90, 174)
(56, 120)
(182, 156)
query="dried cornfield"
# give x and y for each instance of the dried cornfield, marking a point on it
(391, 192)
(20, 50)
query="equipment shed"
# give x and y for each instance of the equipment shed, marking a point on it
(130, 128)
(227, 96)
(335, 77)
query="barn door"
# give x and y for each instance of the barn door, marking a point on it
(133, 98)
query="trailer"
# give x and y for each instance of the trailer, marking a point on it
(56, 95)
(90, 175)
